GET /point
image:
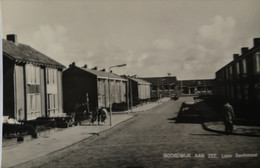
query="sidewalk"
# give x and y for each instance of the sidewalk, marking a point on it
(146, 106)
(14, 153)
(212, 122)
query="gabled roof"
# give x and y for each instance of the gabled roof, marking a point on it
(138, 80)
(253, 50)
(21, 53)
(168, 80)
(102, 74)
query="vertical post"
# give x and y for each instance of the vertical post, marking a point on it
(110, 108)
(87, 102)
(131, 95)
(181, 87)
(110, 105)
(25, 92)
(158, 91)
(127, 84)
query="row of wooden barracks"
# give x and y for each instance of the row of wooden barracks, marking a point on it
(239, 81)
(35, 85)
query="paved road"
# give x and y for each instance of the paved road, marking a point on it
(152, 140)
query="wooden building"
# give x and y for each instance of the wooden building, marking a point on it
(83, 85)
(32, 82)
(239, 81)
(162, 86)
(139, 89)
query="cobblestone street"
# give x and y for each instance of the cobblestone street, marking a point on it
(154, 139)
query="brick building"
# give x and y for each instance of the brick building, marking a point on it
(162, 86)
(239, 81)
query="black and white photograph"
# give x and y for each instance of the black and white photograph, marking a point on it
(130, 83)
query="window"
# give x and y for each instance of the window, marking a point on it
(32, 74)
(123, 91)
(33, 106)
(223, 74)
(51, 76)
(227, 74)
(52, 106)
(237, 67)
(244, 66)
(230, 70)
(257, 62)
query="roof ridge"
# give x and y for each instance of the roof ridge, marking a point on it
(26, 53)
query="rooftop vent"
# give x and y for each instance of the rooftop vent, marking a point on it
(256, 42)
(12, 37)
(244, 50)
(235, 56)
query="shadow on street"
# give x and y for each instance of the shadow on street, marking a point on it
(188, 113)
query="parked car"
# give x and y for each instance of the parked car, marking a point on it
(174, 97)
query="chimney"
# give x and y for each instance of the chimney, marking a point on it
(72, 64)
(12, 37)
(85, 66)
(256, 42)
(244, 50)
(235, 56)
(95, 68)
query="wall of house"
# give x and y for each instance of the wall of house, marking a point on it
(118, 92)
(123, 91)
(135, 95)
(60, 97)
(33, 91)
(19, 93)
(76, 83)
(143, 91)
(8, 87)
(43, 92)
(102, 93)
(240, 83)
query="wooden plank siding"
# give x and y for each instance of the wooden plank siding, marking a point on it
(77, 82)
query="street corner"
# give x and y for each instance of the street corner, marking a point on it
(219, 127)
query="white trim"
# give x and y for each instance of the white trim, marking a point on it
(118, 79)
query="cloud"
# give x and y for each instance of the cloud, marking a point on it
(163, 44)
(219, 32)
(210, 49)
(51, 40)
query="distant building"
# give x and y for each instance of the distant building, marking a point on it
(32, 82)
(80, 84)
(161, 86)
(239, 80)
(140, 90)
(196, 86)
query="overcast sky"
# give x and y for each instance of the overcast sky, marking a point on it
(190, 39)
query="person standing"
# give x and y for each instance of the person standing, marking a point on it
(94, 116)
(228, 118)
(104, 115)
(99, 113)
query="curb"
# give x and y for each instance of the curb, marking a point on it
(223, 132)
